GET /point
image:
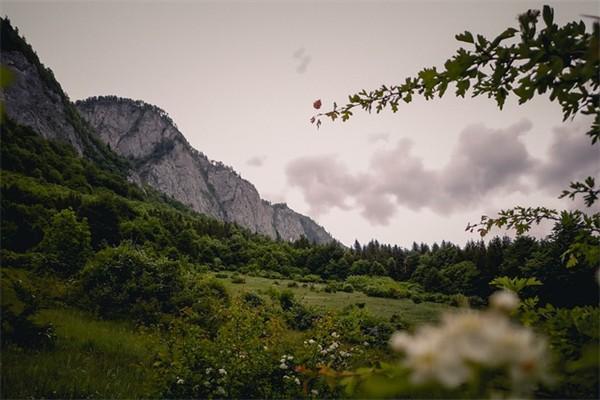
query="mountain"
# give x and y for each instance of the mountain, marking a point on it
(141, 142)
(35, 99)
(162, 158)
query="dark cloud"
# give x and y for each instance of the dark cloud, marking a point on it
(256, 161)
(570, 157)
(484, 162)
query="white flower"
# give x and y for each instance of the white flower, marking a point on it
(448, 353)
(290, 357)
(365, 343)
(311, 341)
(222, 371)
(208, 370)
(180, 381)
(221, 391)
(297, 381)
(505, 301)
(335, 334)
(315, 392)
(283, 366)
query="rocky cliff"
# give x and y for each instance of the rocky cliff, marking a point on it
(109, 130)
(163, 159)
(35, 99)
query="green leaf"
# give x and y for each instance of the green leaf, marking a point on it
(465, 37)
(548, 15)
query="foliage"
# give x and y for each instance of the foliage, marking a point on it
(563, 61)
(514, 284)
(124, 281)
(20, 306)
(66, 243)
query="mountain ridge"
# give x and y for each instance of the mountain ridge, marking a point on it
(141, 142)
(162, 157)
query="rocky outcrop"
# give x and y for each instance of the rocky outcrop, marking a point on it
(163, 159)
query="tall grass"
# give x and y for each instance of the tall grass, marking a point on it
(91, 359)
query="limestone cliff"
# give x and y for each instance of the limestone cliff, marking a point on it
(163, 159)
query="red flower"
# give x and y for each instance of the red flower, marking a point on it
(317, 104)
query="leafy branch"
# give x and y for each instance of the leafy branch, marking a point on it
(563, 61)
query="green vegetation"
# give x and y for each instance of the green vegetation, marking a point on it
(114, 291)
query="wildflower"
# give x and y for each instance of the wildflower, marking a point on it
(290, 357)
(314, 392)
(297, 381)
(450, 352)
(505, 301)
(311, 341)
(179, 381)
(222, 371)
(208, 370)
(283, 366)
(335, 335)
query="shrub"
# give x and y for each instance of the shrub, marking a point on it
(348, 288)
(238, 279)
(252, 299)
(292, 284)
(19, 308)
(221, 275)
(67, 243)
(124, 281)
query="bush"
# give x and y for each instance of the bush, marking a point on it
(252, 299)
(221, 275)
(20, 304)
(67, 243)
(238, 279)
(292, 284)
(124, 281)
(348, 288)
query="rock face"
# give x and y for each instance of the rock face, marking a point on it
(108, 129)
(163, 159)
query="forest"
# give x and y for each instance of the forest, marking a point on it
(111, 290)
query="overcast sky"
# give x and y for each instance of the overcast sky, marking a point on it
(239, 79)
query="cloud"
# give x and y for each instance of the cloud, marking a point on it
(256, 161)
(484, 162)
(303, 60)
(570, 157)
(325, 182)
(376, 137)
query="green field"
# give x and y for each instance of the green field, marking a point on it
(410, 312)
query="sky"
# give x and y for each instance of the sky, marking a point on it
(239, 80)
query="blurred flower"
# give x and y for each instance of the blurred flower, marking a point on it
(505, 301)
(450, 353)
(222, 371)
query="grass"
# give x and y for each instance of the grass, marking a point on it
(91, 359)
(412, 313)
